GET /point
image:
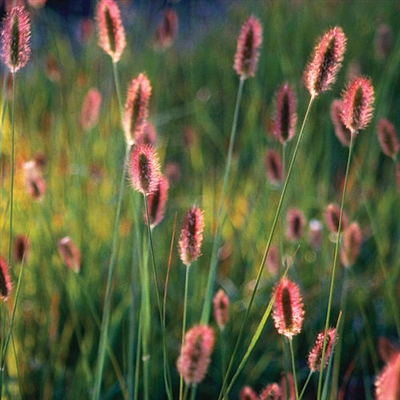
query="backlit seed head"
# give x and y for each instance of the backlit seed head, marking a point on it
(70, 254)
(248, 46)
(5, 281)
(341, 131)
(351, 244)
(326, 61)
(247, 393)
(144, 169)
(191, 236)
(273, 167)
(332, 215)
(387, 138)
(285, 118)
(273, 260)
(136, 109)
(383, 41)
(357, 104)
(387, 384)
(272, 392)
(15, 38)
(288, 312)
(295, 222)
(315, 356)
(195, 355)
(221, 308)
(156, 202)
(90, 110)
(20, 248)
(167, 30)
(111, 30)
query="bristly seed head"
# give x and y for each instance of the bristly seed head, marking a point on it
(332, 216)
(156, 202)
(341, 131)
(221, 308)
(315, 356)
(285, 114)
(295, 222)
(321, 71)
(5, 281)
(248, 46)
(15, 38)
(272, 392)
(273, 167)
(351, 244)
(387, 138)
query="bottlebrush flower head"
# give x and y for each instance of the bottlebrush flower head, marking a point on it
(284, 125)
(315, 356)
(144, 169)
(273, 167)
(387, 384)
(70, 254)
(34, 181)
(326, 61)
(247, 393)
(294, 224)
(332, 215)
(136, 108)
(167, 31)
(111, 30)
(383, 42)
(341, 131)
(221, 309)
(387, 138)
(357, 104)
(273, 260)
(90, 109)
(351, 244)
(248, 46)
(156, 202)
(148, 135)
(5, 281)
(195, 355)
(272, 392)
(20, 248)
(288, 312)
(15, 38)
(191, 236)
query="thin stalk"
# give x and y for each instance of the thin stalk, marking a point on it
(216, 243)
(274, 224)
(117, 86)
(293, 368)
(305, 385)
(335, 258)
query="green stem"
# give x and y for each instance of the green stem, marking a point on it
(293, 368)
(305, 385)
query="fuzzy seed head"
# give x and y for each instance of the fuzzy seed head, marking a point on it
(272, 392)
(285, 114)
(315, 356)
(20, 248)
(5, 281)
(351, 244)
(332, 215)
(34, 181)
(15, 38)
(295, 222)
(288, 308)
(247, 393)
(326, 61)
(357, 104)
(341, 131)
(167, 30)
(387, 384)
(156, 202)
(90, 110)
(273, 261)
(191, 236)
(387, 138)
(144, 169)
(273, 167)
(248, 46)
(136, 109)
(70, 254)
(110, 28)
(221, 309)
(195, 355)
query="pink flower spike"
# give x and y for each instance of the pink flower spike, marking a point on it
(248, 45)
(247, 393)
(332, 215)
(156, 202)
(136, 109)
(387, 138)
(191, 236)
(70, 254)
(111, 30)
(387, 384)
(341, 131)
(5, 281)
(285, 114)
(34, 181)
(20, 248)
(288, 308)
(144, 169)
(351, 244)
(167, 30)
(322, 69)
(357, 104)
(194, 358)
(294, 224)
(272, 392)
(15, 38)
(221, 309)
(315, 356)
(90, 110)
(273, 167)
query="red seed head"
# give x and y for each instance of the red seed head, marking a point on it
(351, 244)
(383, 41)
(70, 254)
(167, 30)
(34, 181)
(20, 248)
(357, 104)
(387, 138)
(332, 215)
(288, 308)
(272, 392)
(15, 38)
(194, 358)
(294, 224)
(221, 308)
(326, 61)
(341, 131)
(273, 261)
(90, 110)
(248, 46)
(315, 356)
(144, 169)
(111, 30)
(285, 118)
(191, 236)
(136, 108)
(273, 167)
(5, 281)
(247, 393)
(387, 384)
(156, 202)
